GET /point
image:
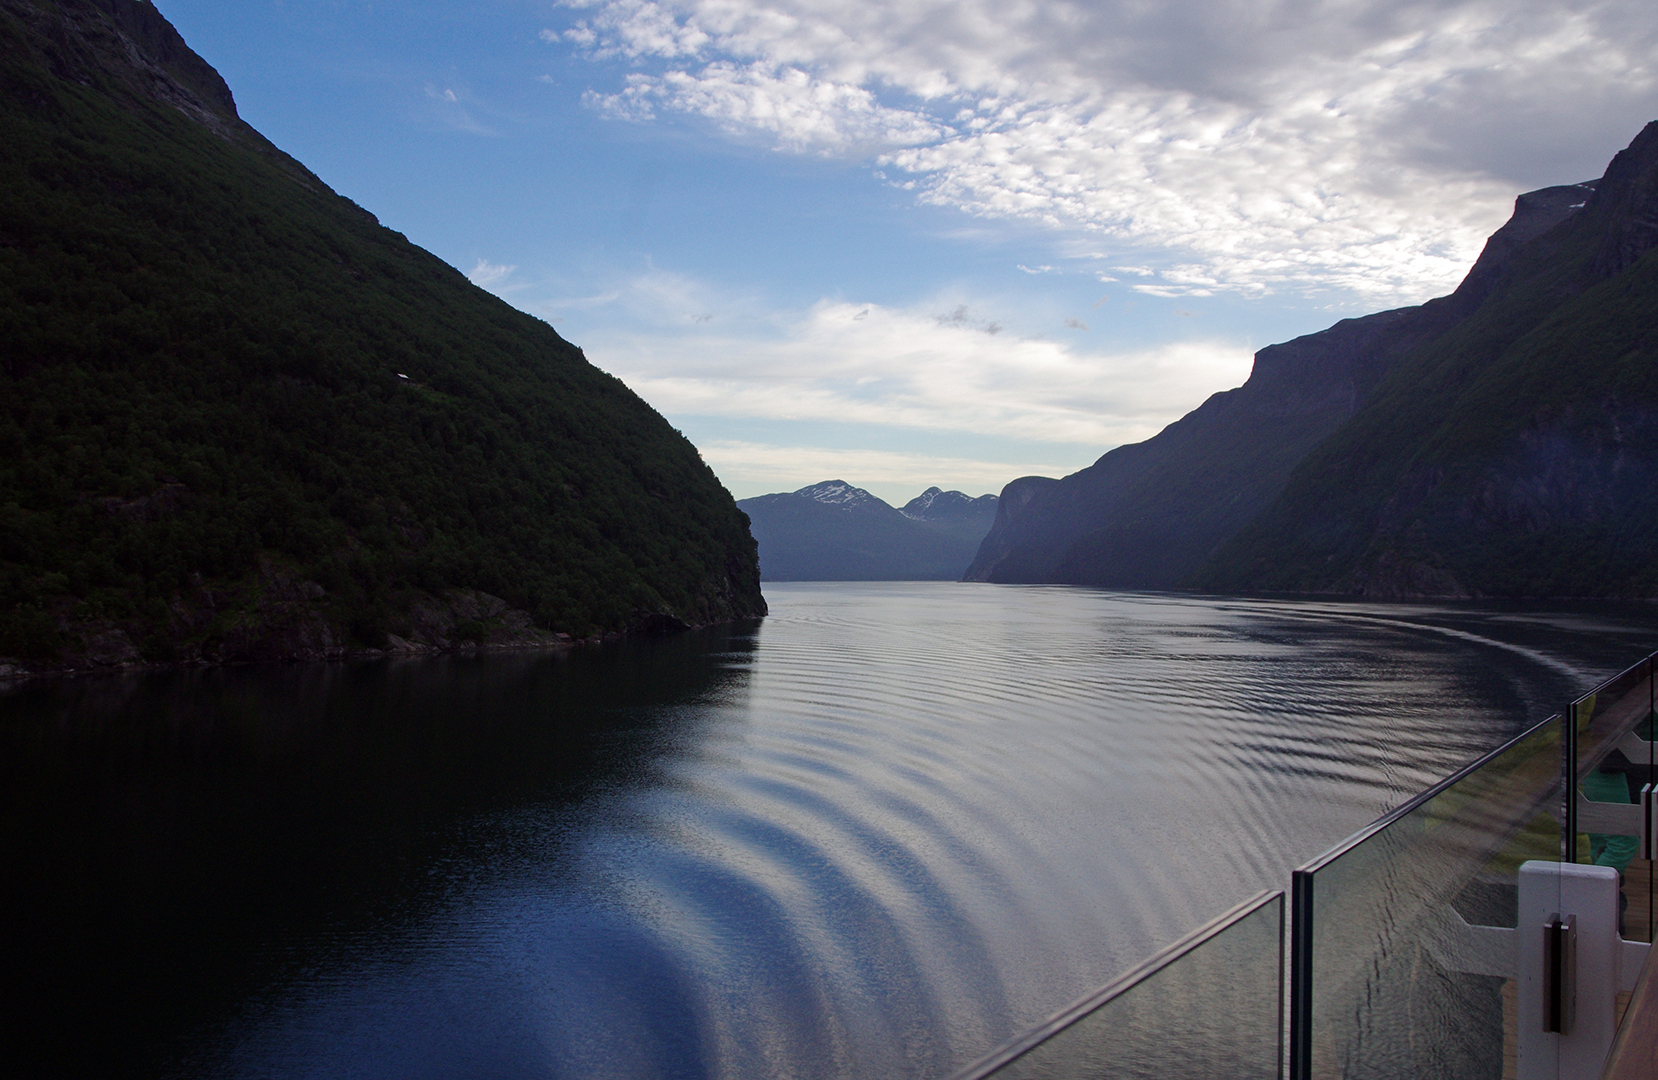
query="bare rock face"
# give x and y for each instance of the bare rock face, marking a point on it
(1629, 196)
(94, 42)
(1399, 577)
(275, 635)
(107, 646)
(1564, 486)
(465, 618)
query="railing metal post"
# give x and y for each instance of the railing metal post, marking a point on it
(1301, 975)
(1283, 974)
(1568, 783)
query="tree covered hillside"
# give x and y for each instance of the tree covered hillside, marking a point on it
(1148, 515)
(1515, 456)
(240, 418)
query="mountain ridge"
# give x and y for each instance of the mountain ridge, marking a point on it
(1147, 515)
(938, 505)
(1367, 458)
(210, 450)
(833, 531)
(1517, 456)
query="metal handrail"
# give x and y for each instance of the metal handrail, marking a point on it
(1071, 1014)
(1300, 904)
(1302, 901)
(1416, 801)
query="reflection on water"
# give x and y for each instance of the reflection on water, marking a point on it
(875, 834)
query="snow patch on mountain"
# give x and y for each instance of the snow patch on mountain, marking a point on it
(917, 507)
(838, 493)
(936, 505)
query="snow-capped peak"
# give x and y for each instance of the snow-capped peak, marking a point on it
(837, 493)
(918, 506)
(936, 505)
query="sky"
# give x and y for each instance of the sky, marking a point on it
(908, 243)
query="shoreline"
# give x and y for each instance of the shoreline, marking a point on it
(653, 624)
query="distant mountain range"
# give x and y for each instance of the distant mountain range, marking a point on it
(240, 419)
(836, 532)
(1499, 441)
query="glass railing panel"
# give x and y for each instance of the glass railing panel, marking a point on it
(1614, 761)
(1401, 966)
(1209, 1007)
(1619, 706)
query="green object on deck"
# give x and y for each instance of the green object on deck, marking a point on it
(1607, 849)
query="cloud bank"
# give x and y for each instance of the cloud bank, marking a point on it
(937, 369)
(1358, 146)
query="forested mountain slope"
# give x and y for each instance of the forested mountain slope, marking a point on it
(1148, 515)
(1515, 456)
(239, 418)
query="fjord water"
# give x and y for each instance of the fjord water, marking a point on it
(874, 834)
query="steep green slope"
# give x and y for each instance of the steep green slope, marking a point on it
(208, 447)
(1515, 456)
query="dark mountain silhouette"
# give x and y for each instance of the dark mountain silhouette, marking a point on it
(1517, 454)
(240, 419)
(1148, 515)
(836, 532)
(954, 512)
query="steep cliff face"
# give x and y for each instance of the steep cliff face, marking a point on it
(1149, 514)
(124, 49)
(1516, 455)
(240, 419)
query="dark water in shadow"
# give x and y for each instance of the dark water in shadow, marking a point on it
(873, 835)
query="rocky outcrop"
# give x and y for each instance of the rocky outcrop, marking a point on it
(1628, 196)
(126, 47)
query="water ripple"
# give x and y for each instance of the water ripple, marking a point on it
(889, 827)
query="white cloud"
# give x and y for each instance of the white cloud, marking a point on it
(487, 274)
(782, 103)
(943, 369)
(1366, 146)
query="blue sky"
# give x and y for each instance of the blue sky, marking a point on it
(911, 243)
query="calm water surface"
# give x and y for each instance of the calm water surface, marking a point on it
(874, 834)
